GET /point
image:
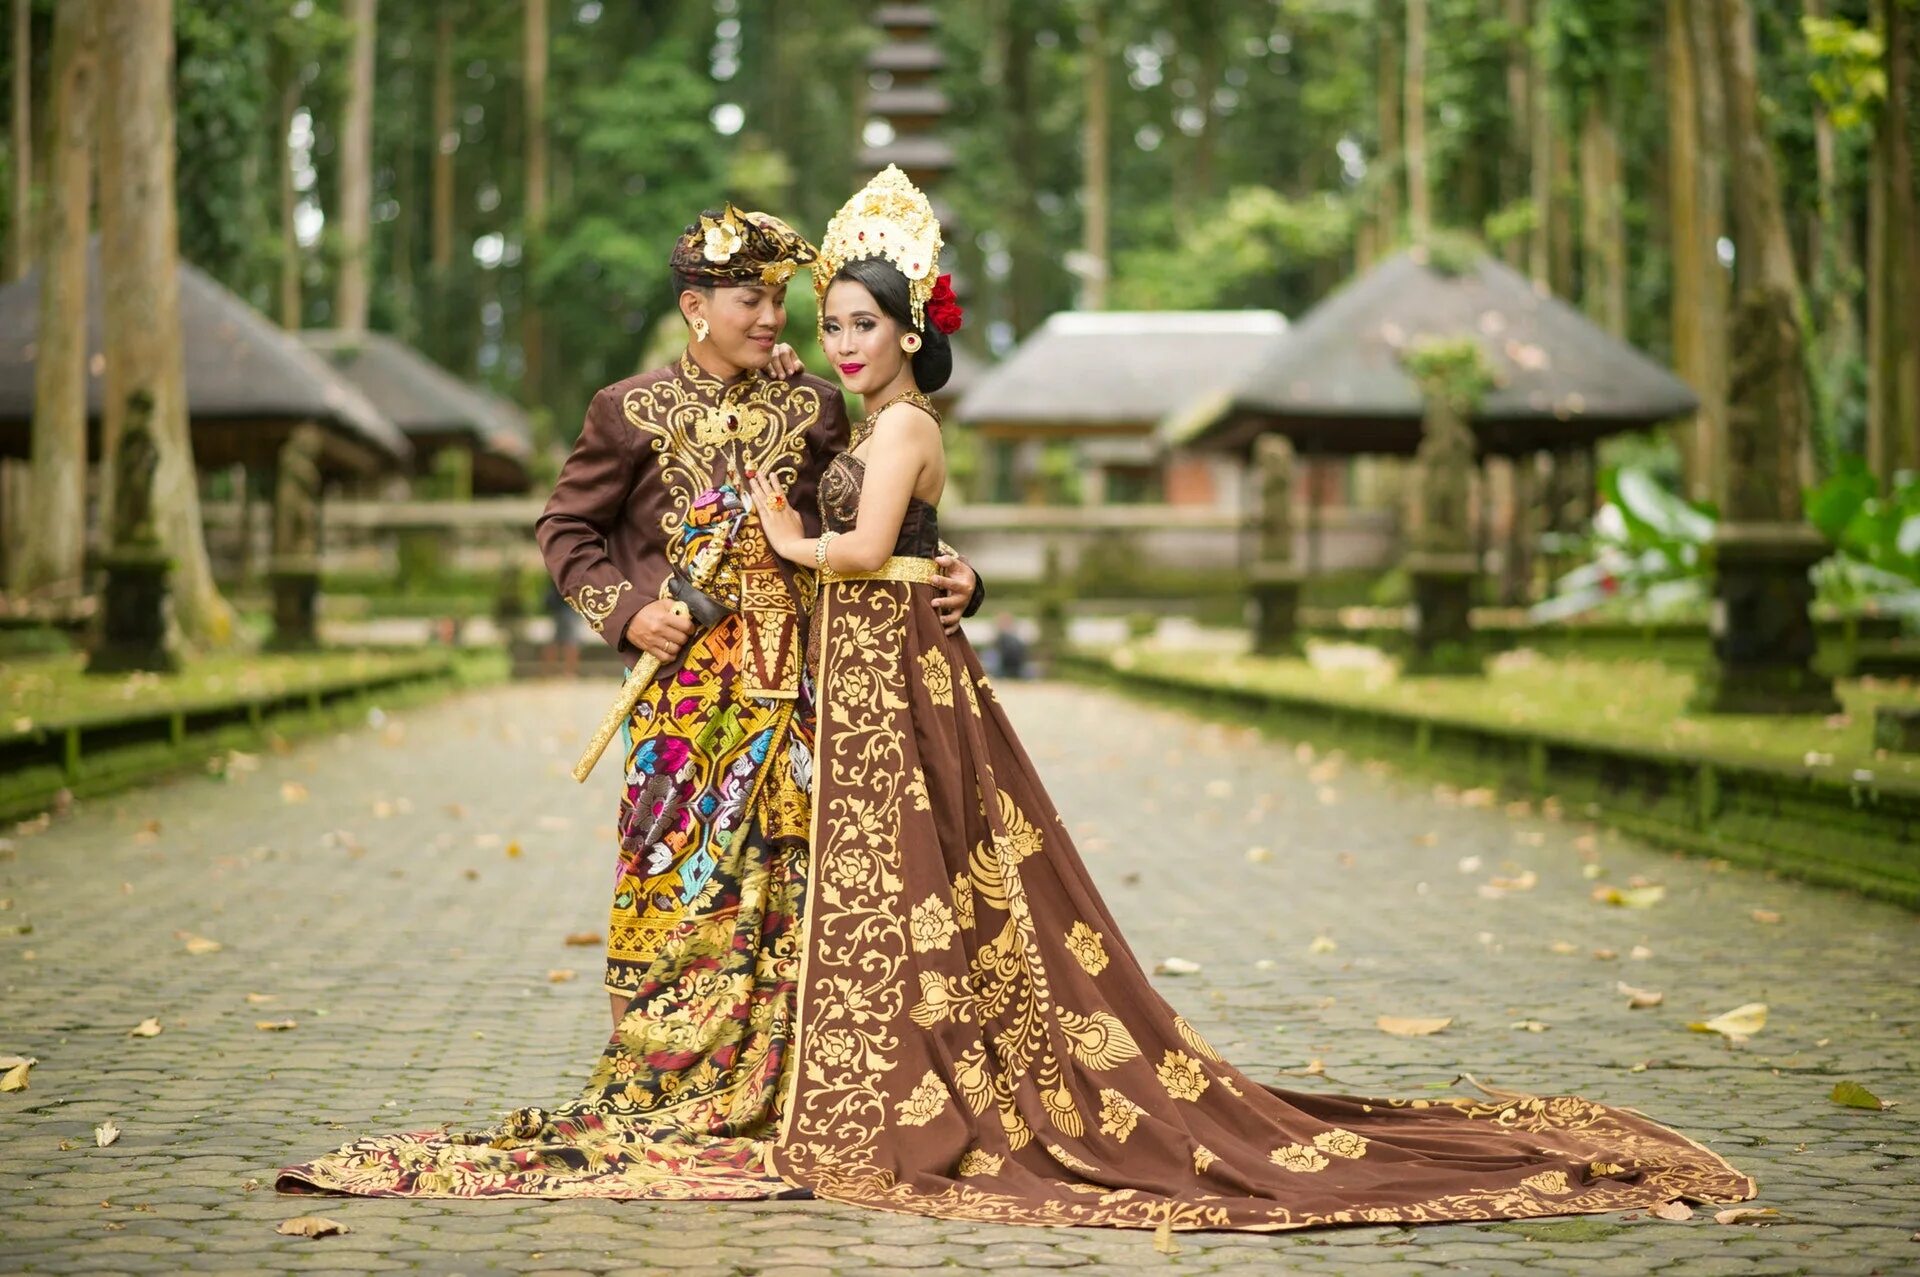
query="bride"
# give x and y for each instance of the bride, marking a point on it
(946, 1019)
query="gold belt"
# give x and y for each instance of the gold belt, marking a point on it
(901, 567)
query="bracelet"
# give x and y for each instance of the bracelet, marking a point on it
(820, 550)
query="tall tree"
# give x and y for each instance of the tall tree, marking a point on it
(1390, 119)
(139, 266)
(56, 535)
(534, 104)
(1419, 188)
(1893, 256)
(1097, 143)
(1541, 147)
(446, 140)
(356, 172)
(20, 221)
(1695, 214)
(1517, 168)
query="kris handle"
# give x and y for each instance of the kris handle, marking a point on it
(621, 710)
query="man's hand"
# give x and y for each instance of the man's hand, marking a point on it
(785, 364)
(660, 629)
(955, 583)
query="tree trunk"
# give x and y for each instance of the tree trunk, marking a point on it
(446, 138)
(1516, 171)
(1699, 319)
(356, 172)
(56, 533)
(1389, 67)
(1603, 233)
(1540, 184)
(139, 268)
(1097, 156)
(20, 248)
(1419, 192)
(534, 88)
(1893, 262)
(290, 255)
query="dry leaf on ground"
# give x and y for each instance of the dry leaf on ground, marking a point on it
(17, 1068)
(1765, 916)
(200, 946)
(1856, 1096)
(1163, 1237)
(1316, 1067)
(583, 939)
(1412, 1026)
(1176, 966)
(1745, 1214)
(105, 1133)
(513, 850)
(293, 791)
(1630, 897)
(1258, 855)
(560, 975)
(1675, 1211)
(1525, 881)
(1564, 946)
(1469, 864)
(1530, 1026)
(310, 1226)
(1739, 1024)
(1639, 999)
(275, 1026)
(255, 999)
(147, 1028)
(1322, 944)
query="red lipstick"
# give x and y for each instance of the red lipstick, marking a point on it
(850, 369)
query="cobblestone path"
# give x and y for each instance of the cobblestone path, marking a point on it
(402, 894)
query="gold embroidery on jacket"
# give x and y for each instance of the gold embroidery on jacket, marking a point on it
(595, 603)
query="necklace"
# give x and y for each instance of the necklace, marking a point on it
(914, 397)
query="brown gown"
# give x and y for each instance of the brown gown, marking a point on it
(936, 1014)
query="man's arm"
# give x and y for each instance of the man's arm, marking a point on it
(594, 485)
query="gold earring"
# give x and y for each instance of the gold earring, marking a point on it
(910, 342)
(699, 330)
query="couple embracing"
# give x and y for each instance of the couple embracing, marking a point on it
(853, 952)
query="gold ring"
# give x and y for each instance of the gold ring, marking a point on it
(779, 502)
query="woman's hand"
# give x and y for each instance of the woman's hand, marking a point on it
(785, 364)
(778, 519)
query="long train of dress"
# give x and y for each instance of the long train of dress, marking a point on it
(931, 1010)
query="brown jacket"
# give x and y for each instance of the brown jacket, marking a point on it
(650, 446)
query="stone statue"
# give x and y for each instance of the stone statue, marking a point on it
(1273, 456)
(296, 498)
(135, 461)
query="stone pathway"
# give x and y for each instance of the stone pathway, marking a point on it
(402, 894)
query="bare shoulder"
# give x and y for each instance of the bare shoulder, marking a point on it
(907, 424)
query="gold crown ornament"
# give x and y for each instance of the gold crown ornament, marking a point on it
(735, 247)
(889, 218)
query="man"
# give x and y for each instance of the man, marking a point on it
(649, 512)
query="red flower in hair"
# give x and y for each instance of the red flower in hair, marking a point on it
(943, 308)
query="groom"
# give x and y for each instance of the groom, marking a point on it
(721, 745)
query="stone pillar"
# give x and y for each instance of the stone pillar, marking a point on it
(1440, 560)
(1054, 593)
(133, 613)
(1274, 578)
(295, 567)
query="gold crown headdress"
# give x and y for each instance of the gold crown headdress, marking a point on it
(890, 218)
(734, 247)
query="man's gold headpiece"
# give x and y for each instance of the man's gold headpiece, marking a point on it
(888, 218)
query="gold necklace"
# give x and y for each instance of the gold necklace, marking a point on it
(914, 397)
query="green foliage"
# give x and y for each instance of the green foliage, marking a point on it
(1242, 252)
(1848, 73)
(1876, 537)
(1452, 369)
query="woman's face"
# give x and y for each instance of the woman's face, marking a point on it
(859, 337)
(743, 323)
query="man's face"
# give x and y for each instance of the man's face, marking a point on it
(742, 323)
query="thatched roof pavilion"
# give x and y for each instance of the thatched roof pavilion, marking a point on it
(434, 408)
(1335, 384)
(249, 382)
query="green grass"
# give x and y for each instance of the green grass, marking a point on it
(58, 689)
(1640, 703)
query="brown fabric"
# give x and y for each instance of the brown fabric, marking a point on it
(650, 447)
(840, 510)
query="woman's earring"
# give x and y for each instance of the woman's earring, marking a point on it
(910, 342)
(699, 329)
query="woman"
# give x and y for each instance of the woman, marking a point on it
(946, 1021)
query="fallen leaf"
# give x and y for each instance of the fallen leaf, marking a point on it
(1316, 1067)
(1592, 872)
(1856, 1096)
(1639, 999)
(513, 850)
(1176, 966)
(67, 1146)
(1606, 955)
(1412, 1026)
(1738, 1024)
(1675, 1211)
(1469, 864)
(1742, 1214)
(1322, 944)
(560, 975)
(200, 946)
(147, 1028)
(15, 1077)
(1765, 916)
(1531, 1026)
(1630, 897)
(105, 1133)
(275, 1026)
(1258, 855)
(1163, 1236)
(1526, 881)
(310, 1226)
(1564, 946)
(293, 791)
(257, 999)
(1639, 953)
